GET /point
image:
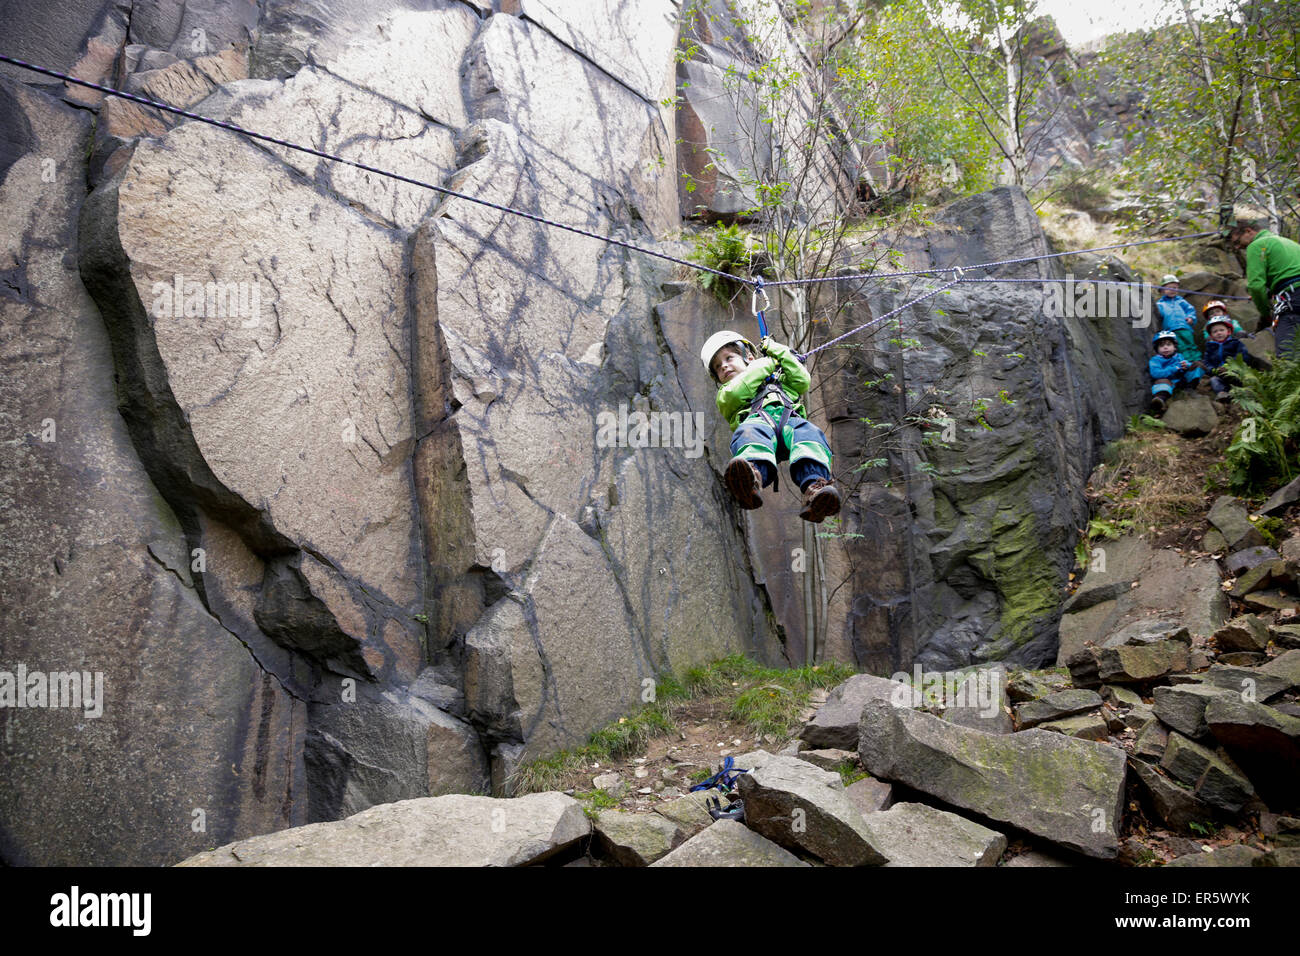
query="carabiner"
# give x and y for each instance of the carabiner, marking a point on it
(753, 305)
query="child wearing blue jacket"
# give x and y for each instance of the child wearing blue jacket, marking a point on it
(1221, 346)
(1178, 316)
(1168, 370)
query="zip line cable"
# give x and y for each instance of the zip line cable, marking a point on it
(370, 169)
(755, 283)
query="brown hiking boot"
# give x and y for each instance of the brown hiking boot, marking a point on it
(743, 481)
(820, 501)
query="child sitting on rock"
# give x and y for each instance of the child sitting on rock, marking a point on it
(1221, 346)
(1168, 370)
(759, 407)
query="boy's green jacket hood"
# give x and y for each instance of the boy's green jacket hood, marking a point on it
(735, 397)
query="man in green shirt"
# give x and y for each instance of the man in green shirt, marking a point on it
(1273, 277)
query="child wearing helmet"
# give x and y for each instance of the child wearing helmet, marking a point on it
(1168, 370)
(760, 407)
(1178, 316)
(1221, 346)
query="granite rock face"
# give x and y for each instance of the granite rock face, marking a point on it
(970, 563)
(322, 427)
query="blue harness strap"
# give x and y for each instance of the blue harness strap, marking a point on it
(724, 779)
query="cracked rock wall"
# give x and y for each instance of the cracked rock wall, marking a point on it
(303, 460)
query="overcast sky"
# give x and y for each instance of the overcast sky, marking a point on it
(1084, 20)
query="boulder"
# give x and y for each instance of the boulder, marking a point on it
(1254, 681)
(827, 759)
(452, 830)
(1175, 804)
(1242, 658)
(1183, 707)
(636, 839)
(1282, 499)
(1025, 686)
(1212, 779)
(1268, 574)
(1141, 664)
(1244, 633)
(728, 843)
(689, 812)
(1066, 790)
(1239, 855)
(1241, 561)
(1281, 856)
(1229, 515)
(1149, 589)
(1284, 667)
(1214, 542)
(1152, 739)
(1271, 600)
(801, 807)
(1148, 631)
(870, 795)
(981, 701)
(835, 726)
(913, 834)
(1264, 742)
(1064, 703)
(1083, 726)
(1191, 416)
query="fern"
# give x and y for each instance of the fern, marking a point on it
(1263, 453)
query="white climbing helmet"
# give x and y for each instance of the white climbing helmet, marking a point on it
(1163, 337)
(1217, 314)
(717, 340)
(1169, 279)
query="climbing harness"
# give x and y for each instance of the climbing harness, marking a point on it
(724, 781)
(771, 389)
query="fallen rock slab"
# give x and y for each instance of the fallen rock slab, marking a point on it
(1065, 790)
(1175, 804)
(828, 759)
(1239, 855)
(835, 725)
(1241, 561)
(1139, 664)
(728, 843)
(689, 812)
(1064, 703)
(453, 830)
(1211, 778)
(1257, 682)
(1183, 707)
(913, 834)
(636, 839)
(801, 807)
(1192, 416)
(1284, 667)
(1083, 726)
(869, 795)
(1152, 740)
(1229, 515)
(1264, 742)
(1281, 499)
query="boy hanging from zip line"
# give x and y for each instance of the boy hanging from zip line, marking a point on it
(759, 398)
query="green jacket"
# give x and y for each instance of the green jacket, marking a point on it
(735, 397)
(1269, 260)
